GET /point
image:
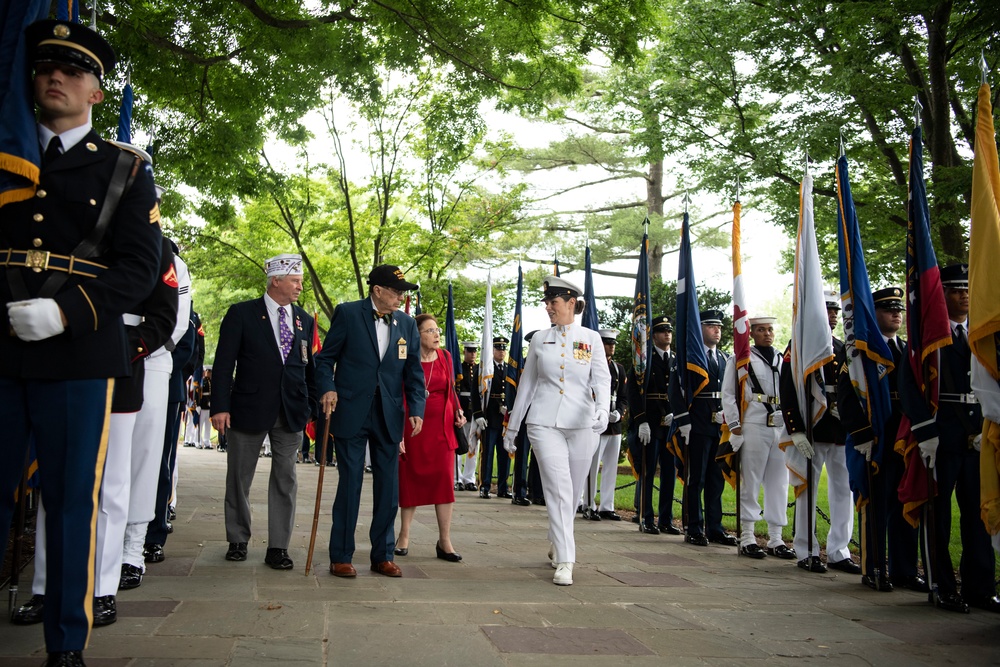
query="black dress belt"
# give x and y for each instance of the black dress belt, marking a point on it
(42, 260)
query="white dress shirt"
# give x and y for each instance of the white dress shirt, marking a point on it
(381, 333)
(68, 139)
(272, 314)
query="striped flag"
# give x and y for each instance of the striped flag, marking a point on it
(589, 319)
(867, 356)
(741, 320)
(927, 328)
(486, 357)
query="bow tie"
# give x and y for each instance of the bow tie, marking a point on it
(387, 318)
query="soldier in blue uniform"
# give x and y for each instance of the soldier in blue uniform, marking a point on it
(949, 444)
(651, 420)
(703, 429)
(76, 256)
(492, 432)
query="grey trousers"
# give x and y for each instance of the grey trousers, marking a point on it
(241, 460)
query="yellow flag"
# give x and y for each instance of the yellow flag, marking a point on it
(984, 240)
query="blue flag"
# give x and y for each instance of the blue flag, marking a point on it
(692, 365)
(125, 115)
(66, 7)
(642, 320)
(868, 357)
(451, 337)
(417, 310)
(515, 361)
(20, 154)
(589, 319)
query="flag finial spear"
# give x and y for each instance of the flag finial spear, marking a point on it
(93, 16)
(984, 68)
(842, 152)
(917, 108)
(645, 225)
(737, 188)
(806, 158)
(687, 201)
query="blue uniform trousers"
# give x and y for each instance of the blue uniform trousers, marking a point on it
(704, 480)
(493, 446)
(68, 421)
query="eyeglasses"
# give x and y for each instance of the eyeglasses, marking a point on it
(396, 292)
(437, 331)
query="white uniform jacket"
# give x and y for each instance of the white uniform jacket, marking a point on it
(565, 380)
(757, 402)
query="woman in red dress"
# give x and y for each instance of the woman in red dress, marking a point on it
(426, 461)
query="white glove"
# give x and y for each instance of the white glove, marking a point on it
(719, 417)
(503, 409)
(645, 434)
(685, 431)
(35, 319)
(802, 444)
(614, 417)
(928, 451)
(668, 419)
(508, 443)
(480, 424)
(865, 448)
(736, 441)
(600, 424)
(977, 442)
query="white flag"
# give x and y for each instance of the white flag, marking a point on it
(486, 356)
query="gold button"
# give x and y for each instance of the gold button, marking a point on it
(560, 391)
(563, 366)
(36, 242)
(93, 202)
(562, 355)
(41, 194)
(139, 349)
(564, 344)
(38, 217)
(562, 379)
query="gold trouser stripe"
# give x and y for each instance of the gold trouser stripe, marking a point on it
(864, 539)
(102, 455)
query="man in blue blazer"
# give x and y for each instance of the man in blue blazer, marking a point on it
(269, 343)
(371, 356)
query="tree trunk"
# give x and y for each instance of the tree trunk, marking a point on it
(654, 204)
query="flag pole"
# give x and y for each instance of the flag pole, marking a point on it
(739, 407)
(810, 508)
(687, 443)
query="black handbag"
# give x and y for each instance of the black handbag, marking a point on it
(463, 442)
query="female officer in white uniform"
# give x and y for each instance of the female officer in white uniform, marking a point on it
(562, 396)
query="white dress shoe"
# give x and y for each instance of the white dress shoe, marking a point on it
(563, 575)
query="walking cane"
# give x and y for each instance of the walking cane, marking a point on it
(18, 540)
(319, 493)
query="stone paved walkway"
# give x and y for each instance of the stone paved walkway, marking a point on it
(637, 600)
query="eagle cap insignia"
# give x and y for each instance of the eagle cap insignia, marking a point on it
(61, 31)
(91, 147)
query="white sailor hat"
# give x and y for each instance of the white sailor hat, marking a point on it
(555, 286)
(832, 299)
(287, 264)
(764, 319)
(470, 345)
(608, 335)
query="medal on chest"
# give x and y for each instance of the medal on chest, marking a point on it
(401, 345)
(582, 352)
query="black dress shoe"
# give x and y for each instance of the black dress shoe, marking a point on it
(237, 551)
(469, 486)
(913, 582)
(401, 551)
(987, 604)
(538, 501)
(580, 509)
(649, 529)
(170, 528)
(171, 513)
(485, 494)
(131, 577)
(105, 611)
(725, 538)
(635, 518)
(953, 602)
(813, 564)
(668, 529)
(609, 515)
(153, 553)
(451, 557)
(698, 540)
(752, 551)
(523, 502)
(65, 659)
(781, 551)
(30, 612)
(881, 584)
(591, 515)
(505, 494)
(847, 565)
(459, 486)
(278, 559)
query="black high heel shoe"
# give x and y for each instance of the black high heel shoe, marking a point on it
(452, 557)
(401, 552)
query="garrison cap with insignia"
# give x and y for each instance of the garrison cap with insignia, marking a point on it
(662, 323)
(556, 286)
(608, 335)
(832, 299)
(955, 276)
(711, 316)
(500, 343)
(72, 44)
(890, 298)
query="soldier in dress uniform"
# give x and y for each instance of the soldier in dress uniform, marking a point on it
(949, 443)
(757, 434)
(469, 399)
(205, 403)
(650, 428)
(828, 449)
(609, 446)
(80, 253)
(492, 431)
(883, 514)
(702, 431)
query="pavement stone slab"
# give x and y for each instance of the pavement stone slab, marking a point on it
(565, 641)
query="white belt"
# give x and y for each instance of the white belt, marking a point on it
(709, 394)
(958, 398)
(131, 320)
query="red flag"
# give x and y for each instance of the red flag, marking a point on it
(316, 344)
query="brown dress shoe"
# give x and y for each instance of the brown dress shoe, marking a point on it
(388, 568)
(343, 570)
